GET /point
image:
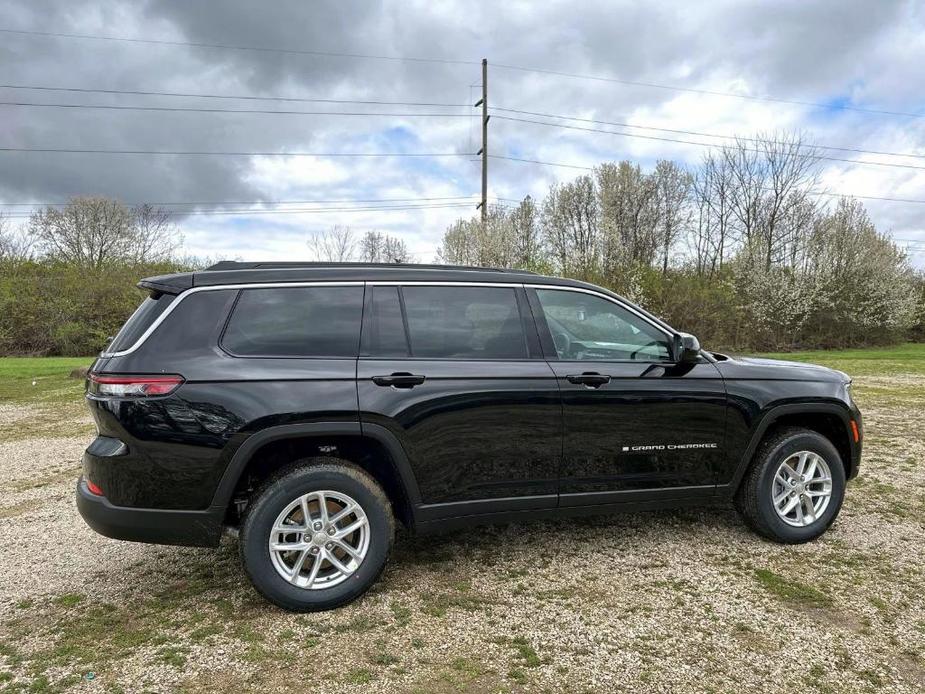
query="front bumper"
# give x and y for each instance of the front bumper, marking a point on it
(157, 526)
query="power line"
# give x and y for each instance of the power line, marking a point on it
(247, 97)
(706, 144)
(253, 202)
(710, 92)
(258, 49)
(56, 150)
(544, 163)
(189, 109)
(451, 61)
(702, 134)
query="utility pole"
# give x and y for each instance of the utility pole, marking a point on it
(483, 102)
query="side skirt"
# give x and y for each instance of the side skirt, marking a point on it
(448, 523)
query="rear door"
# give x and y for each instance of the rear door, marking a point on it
(455, 372)
(637, 424)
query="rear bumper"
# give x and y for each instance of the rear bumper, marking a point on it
(158, 526)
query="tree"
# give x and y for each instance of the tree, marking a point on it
(526, 249)
(771, 174)
(672, 192)
(376, 247)
(334, 245)
(14, 244)
(156, 240)
(91, 232)
(570, 227)
(629, 215)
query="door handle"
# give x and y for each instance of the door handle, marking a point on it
(589, 378)
(399, 380)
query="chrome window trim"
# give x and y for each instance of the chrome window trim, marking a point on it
(437, 283)
(211, 288)
(359, 283)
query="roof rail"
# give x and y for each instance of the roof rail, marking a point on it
(274, 265)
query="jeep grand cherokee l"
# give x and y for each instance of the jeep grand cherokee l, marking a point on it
(311, 406)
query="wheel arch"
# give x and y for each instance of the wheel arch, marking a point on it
(372, 447)
(831, 420)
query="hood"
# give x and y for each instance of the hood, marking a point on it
(779, 369)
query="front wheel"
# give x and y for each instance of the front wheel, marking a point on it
(794, 488)
(317, 536)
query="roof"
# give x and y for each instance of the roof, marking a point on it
(232, 272)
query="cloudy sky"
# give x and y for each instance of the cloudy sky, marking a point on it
(860, 63)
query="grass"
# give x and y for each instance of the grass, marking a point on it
(38, 380)
(908, 358)
(791, 591)
(44, 383)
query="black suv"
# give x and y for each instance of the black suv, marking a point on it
(310, 405)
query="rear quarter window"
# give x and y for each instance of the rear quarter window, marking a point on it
(295, 322)
(143, 318)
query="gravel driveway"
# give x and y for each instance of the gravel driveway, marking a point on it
(671, 601)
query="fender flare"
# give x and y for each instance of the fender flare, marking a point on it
(774, 414)
(245, 452)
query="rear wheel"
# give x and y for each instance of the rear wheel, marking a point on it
(317, 536)
(794, 488)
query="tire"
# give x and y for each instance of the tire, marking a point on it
(343, 482)
(755, 496)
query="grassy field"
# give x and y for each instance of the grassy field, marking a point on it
(906, 359)
(668, 601)
(40, 380)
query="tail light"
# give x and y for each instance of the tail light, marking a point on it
(132, 386)
(94, 489)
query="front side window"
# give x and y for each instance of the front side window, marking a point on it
(585, 327)
(296, 322)
(464, 323)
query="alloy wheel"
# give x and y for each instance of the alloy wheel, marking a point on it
(319, 540)
(802, 488)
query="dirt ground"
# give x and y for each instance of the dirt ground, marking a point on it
(669, 601)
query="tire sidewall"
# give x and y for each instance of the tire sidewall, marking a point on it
(259, 520)
(793, 444)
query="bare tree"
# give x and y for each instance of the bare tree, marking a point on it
(334, 245)
(156, 239)
(14, 244)
(713, 236)
(91, 232)
(376, 247)
(771, 178)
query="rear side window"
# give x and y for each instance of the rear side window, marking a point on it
(296, 322)
(143, 318)
(464, 323)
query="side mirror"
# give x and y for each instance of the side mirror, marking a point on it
(687, 347)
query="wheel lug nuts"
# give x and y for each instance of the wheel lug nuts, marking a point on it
(331, 530)
(330, 545)
(317, 525)
(315, 550)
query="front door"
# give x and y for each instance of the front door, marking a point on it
(457, 375)
(637, 424)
